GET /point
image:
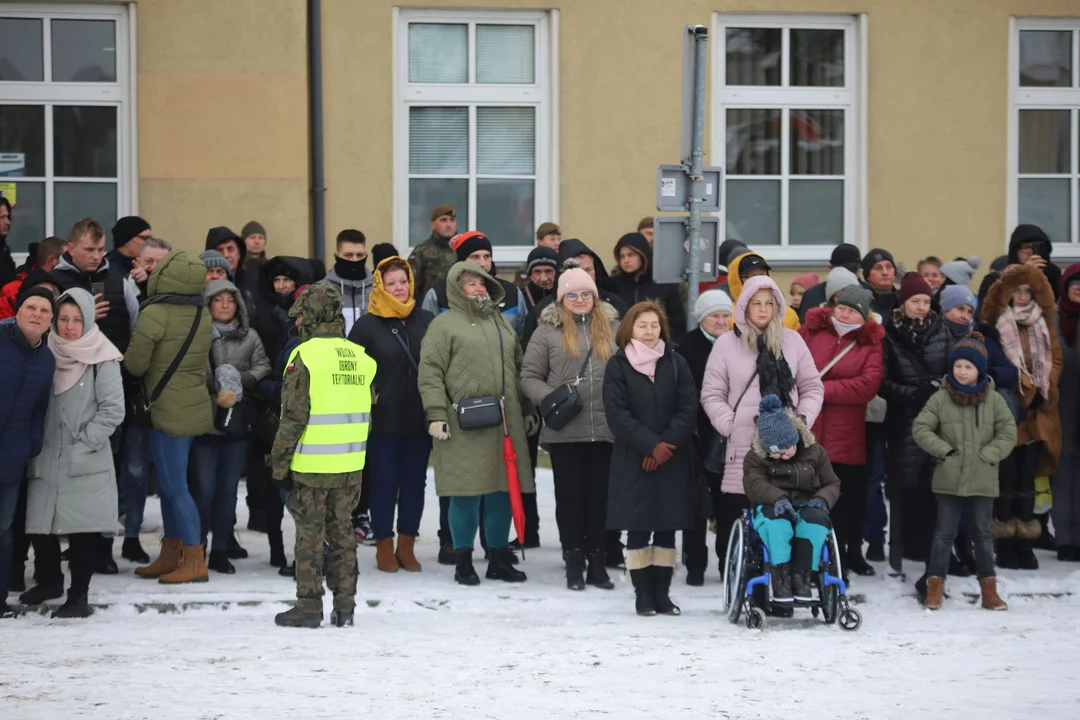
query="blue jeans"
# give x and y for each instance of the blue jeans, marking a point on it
(465, 519)
(877, 517)
(134, 477)
(398, 466)
(638, 539)
(178, 511)
(218, 462)
(9, 500)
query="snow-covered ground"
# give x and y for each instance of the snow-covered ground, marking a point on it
(424, 647)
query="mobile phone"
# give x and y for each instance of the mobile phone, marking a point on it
(97, 288)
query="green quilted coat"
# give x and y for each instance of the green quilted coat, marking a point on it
(460, 357)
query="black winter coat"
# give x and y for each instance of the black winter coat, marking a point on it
(906, 464)
(695, 347)
(272, 321)
(641, 414)
(399, 410)
(640, 286)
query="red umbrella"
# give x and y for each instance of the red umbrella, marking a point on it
(513, 483)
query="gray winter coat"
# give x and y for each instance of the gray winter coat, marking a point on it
(240, 348)
(547, 366)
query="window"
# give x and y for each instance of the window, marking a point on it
(63, 117)
(786, 121)
(1044, 130)
(474, 126)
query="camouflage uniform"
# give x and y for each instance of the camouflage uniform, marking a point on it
(430, 261)
(321, 504)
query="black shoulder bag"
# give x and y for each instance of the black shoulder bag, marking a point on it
(138, 406)
(563, 404)
(235, 421)
(480, 413)
(716, 454)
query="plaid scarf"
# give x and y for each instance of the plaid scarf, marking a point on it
(1031, 319)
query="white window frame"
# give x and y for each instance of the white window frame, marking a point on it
(1043, 98)
(541, 95)
(852, 98)
(119, 94)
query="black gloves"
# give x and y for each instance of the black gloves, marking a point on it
(285, 483)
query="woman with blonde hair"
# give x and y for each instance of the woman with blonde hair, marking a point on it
(567, 355)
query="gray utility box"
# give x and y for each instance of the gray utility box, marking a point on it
(671, 248)
(673, 189)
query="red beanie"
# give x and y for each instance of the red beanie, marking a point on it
(914, 284)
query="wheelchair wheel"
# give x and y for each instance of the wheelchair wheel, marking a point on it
(735, 572)
(850, 619)
(755, 619)
(830, 594)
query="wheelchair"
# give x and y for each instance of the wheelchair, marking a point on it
(748, 587)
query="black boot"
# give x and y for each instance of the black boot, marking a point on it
(447, 554)
(615, 549)
(645, 600)
(6, 611)
(46, 591)
(575, 569)
(662, 589)
(510, 554)
(965, 553)
(288, 571)
(858, 565)
(956, 566)
(465, 573)
(875, 552)
(75, 607)
(801, 585)
(781, 583)
(235, 552)
(297, 618)
(341, 618)
(501, 566)
(277, 550)
(598, 576)
(1007, 557)
(1025, 555)
(18, 578)
(105, 565)
(219, 562)
(133, 550)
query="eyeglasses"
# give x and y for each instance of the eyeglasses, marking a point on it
(584, 295)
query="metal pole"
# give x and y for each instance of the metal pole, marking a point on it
(315, 102)
(697, 182)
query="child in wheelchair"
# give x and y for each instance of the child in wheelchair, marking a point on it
(790, 484)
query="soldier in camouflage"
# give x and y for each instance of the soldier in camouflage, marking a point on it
(321, 504)
(431, 259)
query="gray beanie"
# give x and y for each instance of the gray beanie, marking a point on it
(212, 258)
(711, 301)
(838, 279)
(960, 272)
(857, 298)
(228, 378)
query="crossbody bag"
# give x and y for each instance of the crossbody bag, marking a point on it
(563, 404)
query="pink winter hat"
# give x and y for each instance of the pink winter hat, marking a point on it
(575, 280)
(752, 286)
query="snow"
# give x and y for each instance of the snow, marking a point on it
(424, 647)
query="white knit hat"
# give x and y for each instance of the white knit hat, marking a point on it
(711, 301)
(838, 279)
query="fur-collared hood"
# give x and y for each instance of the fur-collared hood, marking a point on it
(550, 315)
(805, 435)
(871, 333)
(1000, 294)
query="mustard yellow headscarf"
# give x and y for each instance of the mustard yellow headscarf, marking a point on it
(383, 303)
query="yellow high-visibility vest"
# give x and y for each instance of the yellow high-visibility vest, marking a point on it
(335, 439)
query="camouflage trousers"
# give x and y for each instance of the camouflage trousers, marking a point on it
(324, 513)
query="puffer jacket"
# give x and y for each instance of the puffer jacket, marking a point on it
(850, 384)
(547, 366)
(24, 405)
(240, 347)
(736, 285)
(1069, 384)
(729, 371)
(183, 409)
(907, 366)
(272, 321)
(982, 435)
(807, 475)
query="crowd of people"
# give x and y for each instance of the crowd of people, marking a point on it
(147, 368)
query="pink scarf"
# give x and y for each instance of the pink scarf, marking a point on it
(1031, 319)
(73, 356)
(643, 359)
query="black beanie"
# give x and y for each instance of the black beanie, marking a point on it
(873, 257)
(468, 243)
(126, 228)
(380, 252)
(33, 292)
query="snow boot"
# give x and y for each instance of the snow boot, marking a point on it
(447, 554)
(1007, 555)
(132, 550)
(277, 549)
(6, 611)
(236, 552)
(875, 552)
(1068, 553)
(297, 618)
(663, 572)
(857, 564)
(46, 591)
(695, 577)
(465, 573)
(192, 567)
(802, 588)
(511, 555)
(597, 576)
(965, 553)
(219, 562)
(501, 566)
(75, 607)
(1003, 529)
(614, 558)
(956, 566)
(935, 593)
(575, 569)
(406, 553)
(385, 560)
(167, 561)
(990, 598)
(18, 578)
(639, 563)
(288, 571)
(341, 618)
(1025, 555)
(781, 583)
(105, 565)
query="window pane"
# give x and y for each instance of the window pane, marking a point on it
(1046, 58)
(1044, 141)
(754, 56)
(505, 54)
(84, 141)
(1046, 203)
(28, 215)
(753, 211)
(22, 132)
(424, 195)
(74, 201)
(817, 142)
(83, 51)
(21, 54)
(816, 212)
(438, 141)
(438, 53)
(505, 210)
(505, 141)
(753, 142)
(817, 58)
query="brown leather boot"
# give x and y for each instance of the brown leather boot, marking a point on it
(935, 593)
(990, 598)
(167, 561)
(192, 568)
(405, 554)
(384, 555)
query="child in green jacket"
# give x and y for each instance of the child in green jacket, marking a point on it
(969, 428)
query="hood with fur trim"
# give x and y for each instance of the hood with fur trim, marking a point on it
(551, 315)
(1000, 293)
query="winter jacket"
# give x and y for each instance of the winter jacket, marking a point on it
(736, 284)
(696, 346)
(459, 359)
(218, 236)
(119, 290)
(8, 269)
(399, 409)
(547, 366)
(730, 368)
(640, 286)
(183, 409)
(905, 461)
(807, 475)
(28, 373)
(968, 441)
(850, 384)
(1069, 393)
(271, 320)
(512, 306)
(72, 485)
(642, 414)
(120, 262)
(1044, 423)
(1042, 247)
(355, 293)
(240, 348)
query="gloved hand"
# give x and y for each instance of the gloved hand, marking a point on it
(532, 424)
(783, 508)
(816, 502)
(285, 483)
(662, 452)
(439, 430)
(924, 393)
